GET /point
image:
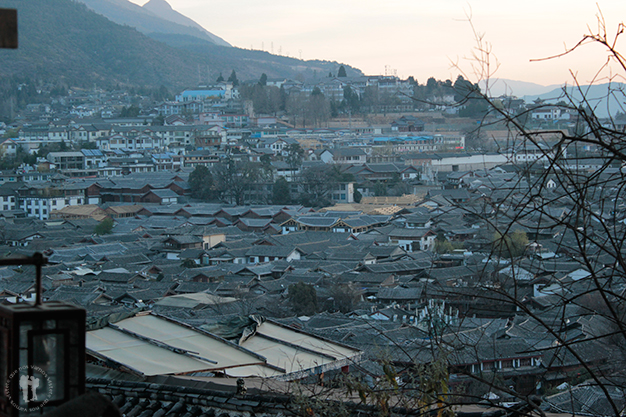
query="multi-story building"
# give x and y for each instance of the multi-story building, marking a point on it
(8, 198)
(38, 199)
(67, 160)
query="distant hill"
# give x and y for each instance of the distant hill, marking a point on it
(500, 86)
(62, 41)
(602, 98)
(156, 16)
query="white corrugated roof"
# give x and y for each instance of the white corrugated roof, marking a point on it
(153, 345)
(140, 355)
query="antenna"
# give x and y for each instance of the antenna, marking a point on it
(262, 46)
(272, 47)
(300, 52)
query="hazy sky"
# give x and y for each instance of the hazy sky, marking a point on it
(417, 37)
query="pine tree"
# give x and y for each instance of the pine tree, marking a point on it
(233, 79)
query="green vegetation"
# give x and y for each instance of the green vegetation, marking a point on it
(105, 227)
(130, 111)
(10, 162)
(265, 99)
(233, 79)
(443, 245)
(510, 245)
(344, 298)
(189, 264)
(303, 298)
(201, 183)
(295, 155)
(280, 192)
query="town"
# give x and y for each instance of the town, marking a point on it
(294, 231)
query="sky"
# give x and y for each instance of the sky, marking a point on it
(420, 38)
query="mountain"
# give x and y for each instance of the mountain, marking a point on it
(64, 42)
(156, 16)
(500, 86)
(605, 99)
(162, 9)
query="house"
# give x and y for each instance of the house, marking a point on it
(118, 212)
(38, 199)
(160, 196)
(88, 211)
(277, 145)
(263, 253)
(453, 196)
(412, 296)
(8, 148)
(408, 124)
(173, 245)
(8, 197)
(413, 239)
(353, 156)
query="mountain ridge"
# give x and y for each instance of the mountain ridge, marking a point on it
(164, 10)
(151, 19)
(503, 86)
(66, 42)
(605, 99)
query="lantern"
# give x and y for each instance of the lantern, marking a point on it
(42, 351)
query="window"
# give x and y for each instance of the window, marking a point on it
(488, 366)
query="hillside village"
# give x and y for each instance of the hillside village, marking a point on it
(398, 246)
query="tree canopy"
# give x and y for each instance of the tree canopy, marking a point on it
(105, 227)
(281, 195)
(201, 183)
(233, 78)
(303, 298)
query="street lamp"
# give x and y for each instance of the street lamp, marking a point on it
(42, 351)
